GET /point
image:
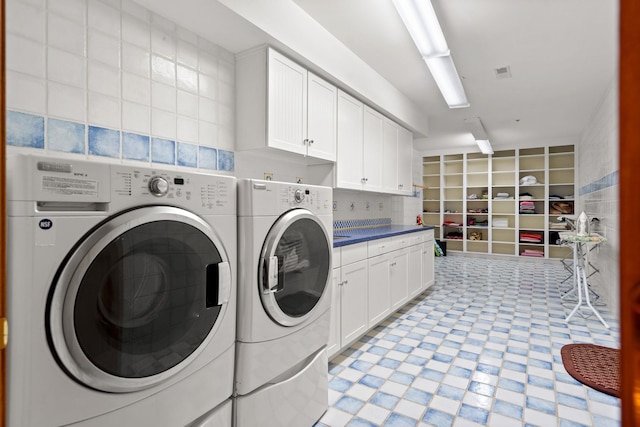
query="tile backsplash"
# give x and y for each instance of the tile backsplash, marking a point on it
(111, 79)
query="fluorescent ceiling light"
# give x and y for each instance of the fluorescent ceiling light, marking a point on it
(446, 76)
(479, 133)
(485, 146)
(422, 23)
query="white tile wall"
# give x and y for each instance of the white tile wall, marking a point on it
(598, 163)
(115, 64)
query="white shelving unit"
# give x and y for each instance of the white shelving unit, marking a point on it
(474, 200)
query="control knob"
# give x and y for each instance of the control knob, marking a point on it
(158, 186)
(298, 196)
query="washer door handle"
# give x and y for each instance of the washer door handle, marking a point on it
(218, 286)
(270, 282)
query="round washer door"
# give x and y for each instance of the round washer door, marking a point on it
(138, 298)
(295, 266)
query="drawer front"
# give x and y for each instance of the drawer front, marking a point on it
(415, 239)
(353, 253)
(380, 246)
(428, 235)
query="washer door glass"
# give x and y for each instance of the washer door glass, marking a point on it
(294, 267)
(143, 293)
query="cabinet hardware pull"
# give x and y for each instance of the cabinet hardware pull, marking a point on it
(311, 141)
(305, 141)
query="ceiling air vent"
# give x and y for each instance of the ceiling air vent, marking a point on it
(503, 72)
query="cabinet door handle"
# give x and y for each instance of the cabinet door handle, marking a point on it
(310, 141)
(345, 282)
(305, 141)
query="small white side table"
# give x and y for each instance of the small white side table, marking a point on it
(581, 245)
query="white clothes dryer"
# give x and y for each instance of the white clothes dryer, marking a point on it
(121, 294)
(284, 297)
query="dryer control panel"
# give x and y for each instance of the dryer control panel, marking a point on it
(261, 197)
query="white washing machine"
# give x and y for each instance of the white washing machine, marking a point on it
(284, 272)
(121, 295)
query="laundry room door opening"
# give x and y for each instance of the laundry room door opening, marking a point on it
(295, 267)
(138, 298)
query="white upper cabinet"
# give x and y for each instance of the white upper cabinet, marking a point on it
(390, 156)
(350, 142)
(282, 105)
(372, 150)
(397, 152)
(287, 98)
(321, 118)
(405, 162)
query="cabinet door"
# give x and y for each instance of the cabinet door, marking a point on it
(399, 278)
(287, 104)
(405, 160)
(321, 118)
(390, 157)
(349, 161)
(353, 302)
(334, 330)
(372, 151)
(379, 296)
(428, 268)
(415, 270)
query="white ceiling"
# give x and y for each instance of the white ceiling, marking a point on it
(562, 55)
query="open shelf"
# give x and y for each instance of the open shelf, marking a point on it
(495, 198)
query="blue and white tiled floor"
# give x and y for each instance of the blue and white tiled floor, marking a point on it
(480, 347)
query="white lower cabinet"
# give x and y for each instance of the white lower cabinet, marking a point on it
(399, 277)
(428, 260)
(353, 301)
(379, 288)
(372, 280)
(415, 281)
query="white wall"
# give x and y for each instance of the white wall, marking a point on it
(111, 80)
(598, 191)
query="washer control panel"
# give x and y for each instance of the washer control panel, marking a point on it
(199, 192)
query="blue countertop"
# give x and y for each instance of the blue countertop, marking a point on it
(350, 237)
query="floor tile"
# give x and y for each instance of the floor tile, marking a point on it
(481, 347)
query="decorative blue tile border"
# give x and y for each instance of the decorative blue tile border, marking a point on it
(65, 136)
(135, 147)
(25, 130)
(104, 142)
(225, 160)
(187, 155)
(361, 223)
(208, 158)
(29, 130)
(163, 151)
(606, 181)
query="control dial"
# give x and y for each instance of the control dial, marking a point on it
(298, 196)
(158, 186)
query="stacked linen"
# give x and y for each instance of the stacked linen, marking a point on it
(503, 196)
(530, 237)
(538, 253)
(527, 207)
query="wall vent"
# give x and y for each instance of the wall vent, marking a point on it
(503, 72)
